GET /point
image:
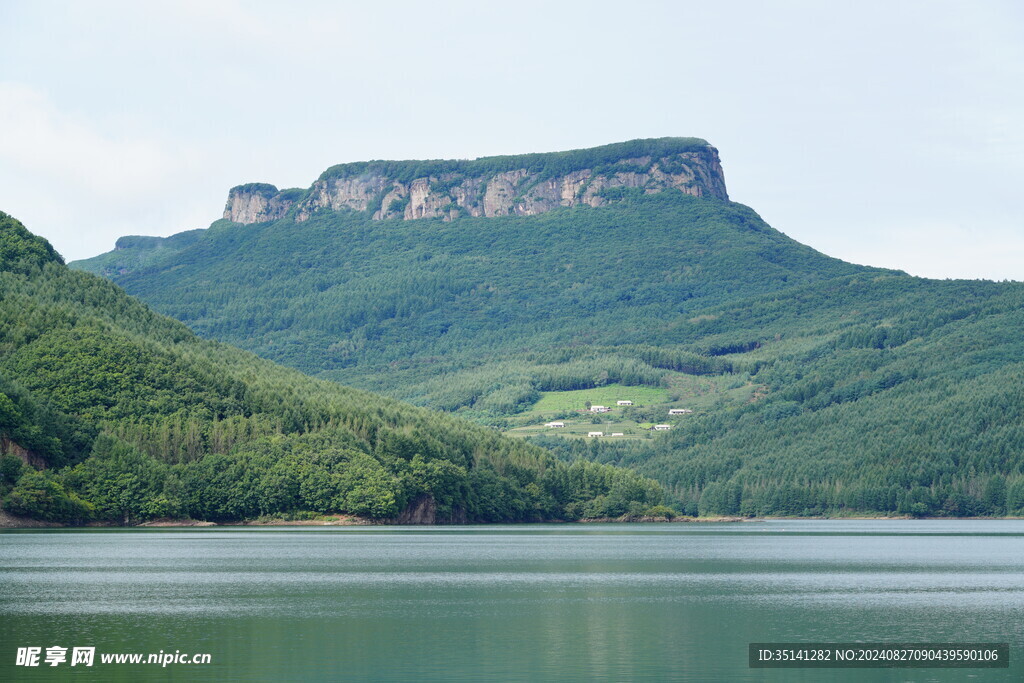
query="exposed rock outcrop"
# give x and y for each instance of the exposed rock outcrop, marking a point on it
(522, 185)
(9, 521)
(423, 510)
(9, 447)
(258, 202)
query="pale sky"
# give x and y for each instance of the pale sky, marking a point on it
(884, 133)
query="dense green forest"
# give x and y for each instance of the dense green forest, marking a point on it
(876, 391)
(477, 314)
(109, 411)
(871, 391)
(894, 394)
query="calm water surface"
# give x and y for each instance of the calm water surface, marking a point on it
(552, 602)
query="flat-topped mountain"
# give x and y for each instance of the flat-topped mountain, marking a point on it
(817, 386)
(521, 185)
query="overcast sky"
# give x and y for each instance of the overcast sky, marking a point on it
(885, 133)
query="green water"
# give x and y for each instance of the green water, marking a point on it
(525, 603)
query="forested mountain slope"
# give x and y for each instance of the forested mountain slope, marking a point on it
(133, 416)
(476, 314)
(822, 387)
(879, 394)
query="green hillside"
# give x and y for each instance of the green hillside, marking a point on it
(477, 314)
(817, 386)
(884, 394)
(109, 411)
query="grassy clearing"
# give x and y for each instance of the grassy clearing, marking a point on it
(561, 401)
(650, 406)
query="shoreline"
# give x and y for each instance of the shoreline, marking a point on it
(8, 521)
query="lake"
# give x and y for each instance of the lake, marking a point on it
(535, 602)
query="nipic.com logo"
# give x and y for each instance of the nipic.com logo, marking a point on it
(56, 655)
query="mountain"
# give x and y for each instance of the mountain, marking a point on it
(109, 411)
(474, 313)
(817, 386)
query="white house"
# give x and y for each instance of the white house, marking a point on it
(662, 428)
(599, 409)
(624, 403)
(679, 411)
(554, 424)
(617, 434)
(595, 433)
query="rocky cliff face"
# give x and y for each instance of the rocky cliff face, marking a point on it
(8, 447)
(257, 202)
(423, 510)
(523, 185)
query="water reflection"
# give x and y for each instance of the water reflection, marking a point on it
(565, 602)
